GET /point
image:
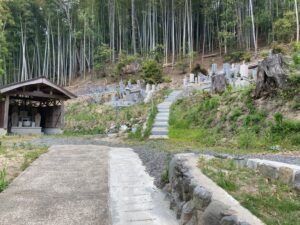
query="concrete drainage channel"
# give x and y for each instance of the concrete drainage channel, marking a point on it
(133, 197)
(193, 197)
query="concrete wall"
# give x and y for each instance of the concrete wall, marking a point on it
(197, 200)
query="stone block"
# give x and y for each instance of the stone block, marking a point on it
(268, 171)
(214, 213)
(252, 164)
(285, 175)
(187, 213)
(201, 198)
(229, 220)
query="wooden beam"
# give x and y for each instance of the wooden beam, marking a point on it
(37, 94)
(6, 112)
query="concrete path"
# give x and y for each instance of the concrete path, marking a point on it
(66, 186)
(160, 129)
(134, 199)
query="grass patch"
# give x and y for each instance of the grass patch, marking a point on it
(3, 180)
(272, 201)
(231, 121)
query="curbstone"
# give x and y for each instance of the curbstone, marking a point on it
(268, 171)
(285, 175)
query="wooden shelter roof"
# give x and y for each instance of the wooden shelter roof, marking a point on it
(38, 87)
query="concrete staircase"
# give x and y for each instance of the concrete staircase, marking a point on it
(160, 129)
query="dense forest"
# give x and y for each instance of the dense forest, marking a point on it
(62, 39)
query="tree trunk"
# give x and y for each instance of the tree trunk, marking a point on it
(270, 76)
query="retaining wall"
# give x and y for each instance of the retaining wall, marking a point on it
(197, 200)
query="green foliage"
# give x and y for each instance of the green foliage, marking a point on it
(278, 48)
(152, 72)
(264, 53)
(158, 53)
(181, 66)
(3, 180)
(246, 138)
(124, 60)
(284, 28)
(296, 58)
(238, 56)
(102, 56)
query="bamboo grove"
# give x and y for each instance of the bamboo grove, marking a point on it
(58, 38)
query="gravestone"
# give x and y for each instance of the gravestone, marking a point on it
(192, 78)
(227, 70)
(185, 82)
(214, 68)
(219, 83)
(244, 71)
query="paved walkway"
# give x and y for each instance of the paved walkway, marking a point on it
(66, 186)
(134, 199)
(160, 129)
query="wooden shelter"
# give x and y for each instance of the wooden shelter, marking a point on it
(33, 107)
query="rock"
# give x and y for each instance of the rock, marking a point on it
(214, 213)
(218, 84)
(187, 213)
(268, 171)
(193, 221)
(201, 198)
(244, 223)
(285, 175)
(229, 220)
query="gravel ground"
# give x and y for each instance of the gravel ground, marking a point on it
(154, 159)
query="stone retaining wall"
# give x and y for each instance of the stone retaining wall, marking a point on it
(197, 200)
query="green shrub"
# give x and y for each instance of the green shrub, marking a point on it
(264, 53)
(246, 138)
(3, 180)
(278, 48)
(296, 58)
(284, 28)
(181, 66)
(158, 53)
(124, 60)
(247, 56)
(152, 72)
(238, 56)
(296, 47)
(295, 139)
(102, 56)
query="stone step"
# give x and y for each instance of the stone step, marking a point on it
(158, 137)
(159, 133)
(162, 114)
(161, 124)
(160, 129)
(161, 119)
